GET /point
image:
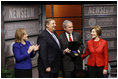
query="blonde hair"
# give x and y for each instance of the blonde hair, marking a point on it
(97, 29)
(19, 34)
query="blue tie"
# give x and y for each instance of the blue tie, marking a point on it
(57, 41)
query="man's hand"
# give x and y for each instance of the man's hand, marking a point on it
(48, 69)
(67, 50)
(78, 51)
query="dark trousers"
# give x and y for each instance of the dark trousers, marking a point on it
(77, 66)
(23, 73)
(47, 75)
(95, 72)
(67, 74)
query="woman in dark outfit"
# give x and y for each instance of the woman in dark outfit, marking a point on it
(23, 52)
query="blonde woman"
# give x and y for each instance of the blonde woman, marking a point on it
(23, 51)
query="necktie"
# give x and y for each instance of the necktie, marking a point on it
(57, 41)
(70, 39)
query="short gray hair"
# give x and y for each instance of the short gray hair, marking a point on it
(66, 22)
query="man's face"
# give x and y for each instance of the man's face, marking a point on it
(51, 26)
(69, 28)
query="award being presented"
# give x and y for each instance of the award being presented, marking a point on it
(73, 46)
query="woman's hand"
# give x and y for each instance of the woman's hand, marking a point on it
(104, 72)
(30, 49)
(36, 47)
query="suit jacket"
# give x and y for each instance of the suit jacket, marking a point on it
(68, 63)
(98, 55)
(49, 53)
(23, 59)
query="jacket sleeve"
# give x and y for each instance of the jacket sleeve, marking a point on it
(61, 44)
(18, 55)
(106, 55)
(86, 53)
(81, 46)
(43, 51)
(32, 54)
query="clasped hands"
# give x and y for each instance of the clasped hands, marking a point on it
(33, 48)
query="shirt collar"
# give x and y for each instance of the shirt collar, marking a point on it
(49, 31)
(68, 33)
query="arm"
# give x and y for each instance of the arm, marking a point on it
(106, 56)
(43, 51)
(86, 53)
(63, 49)
(17, 53)
(30, 49)
(81, 46)
(32, 54)
(35, 50)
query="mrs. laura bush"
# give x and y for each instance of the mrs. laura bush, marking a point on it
(97, 49)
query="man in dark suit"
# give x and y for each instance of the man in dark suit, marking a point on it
(71, 59)
(49, 53)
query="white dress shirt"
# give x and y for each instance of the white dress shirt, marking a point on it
(67, 35)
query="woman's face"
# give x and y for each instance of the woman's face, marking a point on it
(94, 33)
(25, 36)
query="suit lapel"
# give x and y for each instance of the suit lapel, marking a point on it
(74, 37)
(51, 39)
(65, 38)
